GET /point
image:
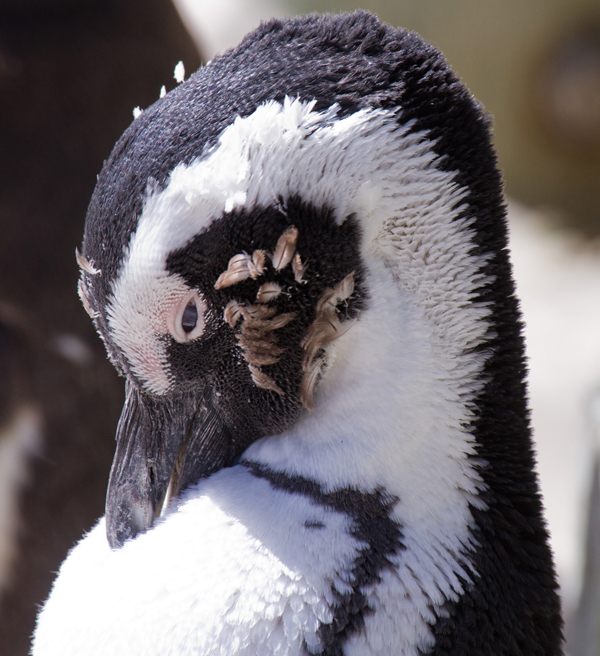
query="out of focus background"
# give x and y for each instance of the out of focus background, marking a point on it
(71, 72)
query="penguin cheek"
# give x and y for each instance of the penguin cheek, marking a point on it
(195, 363)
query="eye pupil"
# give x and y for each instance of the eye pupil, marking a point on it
(190, 318)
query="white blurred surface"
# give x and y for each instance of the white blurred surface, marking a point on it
(558, 281)
(217, 25)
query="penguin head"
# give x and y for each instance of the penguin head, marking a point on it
(233, 233)
(223, 304)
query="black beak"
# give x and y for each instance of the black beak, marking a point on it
(163, 447)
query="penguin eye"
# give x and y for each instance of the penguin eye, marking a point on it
(190, 317)
(187, 322)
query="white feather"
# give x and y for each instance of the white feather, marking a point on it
(242, 576)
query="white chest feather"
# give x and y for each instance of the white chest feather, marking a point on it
(239, 568)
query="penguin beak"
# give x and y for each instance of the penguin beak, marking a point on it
(163, 447)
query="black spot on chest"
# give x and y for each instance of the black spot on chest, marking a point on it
(313, 524)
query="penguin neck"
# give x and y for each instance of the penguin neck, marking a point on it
(392, 410)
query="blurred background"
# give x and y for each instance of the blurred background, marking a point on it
(71, 73)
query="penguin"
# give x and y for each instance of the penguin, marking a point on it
(298, 262)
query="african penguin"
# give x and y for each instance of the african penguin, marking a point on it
(297, 259)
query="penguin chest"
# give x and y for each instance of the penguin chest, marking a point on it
(249, 562)
(237, 568)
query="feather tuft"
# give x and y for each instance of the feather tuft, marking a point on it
(258, 312)
(256, 265)
(268, 292)
(85, 299)
(285, 249)
(237, 270)
(262, 380)
(257, 339)
(85, 264)
(298, 268)
(325, 329)
(331, 298)
(309, 380)
(242, 266)
(232, 313)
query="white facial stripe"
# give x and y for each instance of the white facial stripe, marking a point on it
(277, 152)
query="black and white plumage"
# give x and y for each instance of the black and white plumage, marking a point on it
(298, 260)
